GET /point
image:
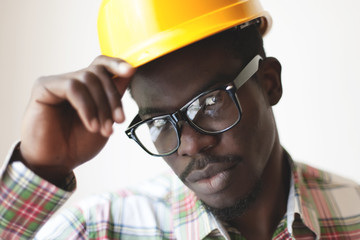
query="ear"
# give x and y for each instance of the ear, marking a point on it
(270, 79)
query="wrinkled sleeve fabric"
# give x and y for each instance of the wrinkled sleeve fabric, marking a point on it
(27, 201)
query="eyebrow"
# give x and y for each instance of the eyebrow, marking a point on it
(154, 111)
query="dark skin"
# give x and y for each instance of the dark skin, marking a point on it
(69, 117)
(73, 116)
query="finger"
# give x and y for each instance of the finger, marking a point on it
(111, 91)
(50, 92)
(96, 88)
(115, 66)
(121, 86)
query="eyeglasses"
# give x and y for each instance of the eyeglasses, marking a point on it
(211, 112)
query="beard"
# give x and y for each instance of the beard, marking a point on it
(239, 208)
(241, 205)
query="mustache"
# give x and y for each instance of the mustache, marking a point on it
(203, 161)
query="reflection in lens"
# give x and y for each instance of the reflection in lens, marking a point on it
(155, 128)
(214, 111)
(193, 109)
(158, 136)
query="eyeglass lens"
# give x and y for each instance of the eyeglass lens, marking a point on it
(158, 136)
(213, 112)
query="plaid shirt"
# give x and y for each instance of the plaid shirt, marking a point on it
(320, 206)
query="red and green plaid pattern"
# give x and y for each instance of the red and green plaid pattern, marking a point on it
(329, 205)
(26, 202)
(326, 207)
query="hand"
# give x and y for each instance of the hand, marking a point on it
(70, 116)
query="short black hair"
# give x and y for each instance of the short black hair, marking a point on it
(247, 42)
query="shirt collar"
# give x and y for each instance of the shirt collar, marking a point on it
(191, 220)
(300, 198)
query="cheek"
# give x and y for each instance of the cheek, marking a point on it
(254, 136)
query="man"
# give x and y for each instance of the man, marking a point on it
(205, 101)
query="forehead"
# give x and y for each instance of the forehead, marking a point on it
(169, 82)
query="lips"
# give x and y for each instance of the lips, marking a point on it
(210, 171)
(214, 178)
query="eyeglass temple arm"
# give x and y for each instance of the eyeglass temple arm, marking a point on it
(249, 70)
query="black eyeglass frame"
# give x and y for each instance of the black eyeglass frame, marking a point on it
(231, 88)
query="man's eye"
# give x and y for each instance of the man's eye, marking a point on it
(205, 106)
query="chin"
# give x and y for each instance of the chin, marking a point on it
(225, 209)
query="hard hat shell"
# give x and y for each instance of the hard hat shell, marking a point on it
(140, 31)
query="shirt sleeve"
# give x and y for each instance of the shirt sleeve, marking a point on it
(27, 200)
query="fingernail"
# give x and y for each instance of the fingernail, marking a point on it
(124, 68)
(94, 124)
(108, 126)
(118, 114)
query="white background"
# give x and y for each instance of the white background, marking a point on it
(315, 40)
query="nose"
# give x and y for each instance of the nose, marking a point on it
(194, 142)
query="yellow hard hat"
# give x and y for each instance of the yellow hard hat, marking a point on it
(140, 31)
